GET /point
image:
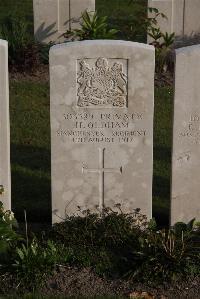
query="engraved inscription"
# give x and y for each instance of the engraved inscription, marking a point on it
(184, 157)
(103, 84)
(95, 127)
(101, 170)
(192, 129)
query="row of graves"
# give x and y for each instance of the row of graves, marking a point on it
(52, 18)
(102, 106)
(102, 112)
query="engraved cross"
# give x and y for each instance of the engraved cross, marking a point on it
(101, 170)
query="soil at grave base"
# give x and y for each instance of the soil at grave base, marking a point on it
(84, 282)
(76, 282)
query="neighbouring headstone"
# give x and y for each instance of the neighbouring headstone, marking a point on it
(186, 136)
(191, 21)
(5, 185)
(165, 7)
(182, 16)
(52, 18)
(102, 95)
(173, 10)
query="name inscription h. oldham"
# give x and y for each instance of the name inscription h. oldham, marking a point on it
(102, 85)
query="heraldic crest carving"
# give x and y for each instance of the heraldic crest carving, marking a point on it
(101, 85)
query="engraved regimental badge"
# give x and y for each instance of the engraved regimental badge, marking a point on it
(101, 85)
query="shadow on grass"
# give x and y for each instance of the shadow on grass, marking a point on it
(162, 153)
(31, 184)
(161, 185)
(32, 194)
(161, 203)
(34, 158)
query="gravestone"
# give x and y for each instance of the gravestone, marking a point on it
(165, 7)
(4, 127)
(173, 10)
(101, 126)
(191, 23)
(186, 137)
(52, 18)
(182, 16)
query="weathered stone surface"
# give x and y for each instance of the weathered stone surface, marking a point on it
(186, 136)
(178, 16)
(192, 17)
(52, 18)
(101, 126)
(165, 7)
(182, 16)
(4, 127)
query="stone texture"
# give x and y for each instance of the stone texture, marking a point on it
(4, 127)
(192, 17)
(165, 7)
(183, 16)
(178, 17)
(186, 136)
(101, 126)
(52, 18)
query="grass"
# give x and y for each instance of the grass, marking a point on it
(162, 153)
(19, 8)
(124, 13)
(30, 150)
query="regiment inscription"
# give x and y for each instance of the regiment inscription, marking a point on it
(98, 127)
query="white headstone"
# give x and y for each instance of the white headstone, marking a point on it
(52, 18)
(182, 16)
(165, 7)
(102, 95)
(4, 127)
(173, 10)
(186, 137)
(192, 17)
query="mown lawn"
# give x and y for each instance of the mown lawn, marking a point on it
(162, 153)
(30, 150)
(18, 8)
